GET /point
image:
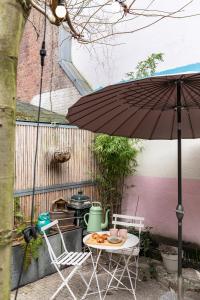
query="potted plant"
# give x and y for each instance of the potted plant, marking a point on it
(170, 257)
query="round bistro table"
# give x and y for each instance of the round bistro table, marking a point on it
(131, 242)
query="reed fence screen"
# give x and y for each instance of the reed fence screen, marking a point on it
(53, 180)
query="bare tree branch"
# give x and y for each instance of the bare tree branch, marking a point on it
(98, 20)
(39, 5)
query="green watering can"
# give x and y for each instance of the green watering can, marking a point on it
(43, 219)
(94, 222)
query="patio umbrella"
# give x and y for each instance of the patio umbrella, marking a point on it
(159, 107)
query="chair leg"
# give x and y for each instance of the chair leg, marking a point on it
(125, 268)
(65, 282)
(112, 277)
(130, 279)
(60, 288)
(136, 270)
(94, 273)
(109, 267)
(82, 277)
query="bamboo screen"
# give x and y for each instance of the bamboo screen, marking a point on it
(78, 170)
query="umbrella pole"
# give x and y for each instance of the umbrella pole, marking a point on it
(179, 208)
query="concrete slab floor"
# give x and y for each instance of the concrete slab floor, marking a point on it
(43, 289)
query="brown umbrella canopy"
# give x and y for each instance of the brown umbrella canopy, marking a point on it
(143, 108)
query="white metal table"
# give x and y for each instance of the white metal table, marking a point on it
(131, 242)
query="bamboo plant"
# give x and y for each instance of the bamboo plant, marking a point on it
(116, 158)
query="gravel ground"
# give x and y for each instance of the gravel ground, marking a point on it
(43, 289)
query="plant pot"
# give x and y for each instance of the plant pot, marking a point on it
(170, 262)
(170, 257)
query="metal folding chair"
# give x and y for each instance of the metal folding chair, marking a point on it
(138, 224)
(75, 259)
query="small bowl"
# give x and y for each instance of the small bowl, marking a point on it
(114, 239)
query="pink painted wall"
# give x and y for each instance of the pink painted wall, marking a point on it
(158, 200)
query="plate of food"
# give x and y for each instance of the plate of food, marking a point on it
(114, 239)
(100, 238)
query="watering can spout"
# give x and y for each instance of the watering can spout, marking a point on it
(105, 225)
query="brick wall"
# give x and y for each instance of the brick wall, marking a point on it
(64, 93)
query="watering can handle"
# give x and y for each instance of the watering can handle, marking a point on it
(85, 218)
(96, 202)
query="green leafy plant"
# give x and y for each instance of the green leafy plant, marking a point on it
(152, 271)
(32, 251)
(146, 67)
(169, 250)
(145, 239)
(18, 215)
(116, 159)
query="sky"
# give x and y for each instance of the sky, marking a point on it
(177, 38)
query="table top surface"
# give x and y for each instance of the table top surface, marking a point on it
(132, 241)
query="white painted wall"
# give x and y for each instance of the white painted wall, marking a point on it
(159, 159)
(176, 38)
(58, 101)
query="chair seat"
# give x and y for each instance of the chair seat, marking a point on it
(72, 258)
(130, 251)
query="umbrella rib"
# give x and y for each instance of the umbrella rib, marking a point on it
(189, 118)
(111, 91)
(143, 94)
(191, 76)
(189, 88)
(99, 116)
(193, 84)
(155, 125)
(119, 114)
(95, 96)
(143, 106)
(139, 84)
(112, 88)
(132, 133)
(99, 98)
(95, 109)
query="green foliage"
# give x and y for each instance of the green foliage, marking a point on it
(146, 67)
(152, 271)
(116, 159)
(18, 216)
(145, 239)
(32, 251)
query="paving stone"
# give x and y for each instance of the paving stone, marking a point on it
(44, 288)
(150, 289)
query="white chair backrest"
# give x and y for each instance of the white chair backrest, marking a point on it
(50, 249)
(128, 221)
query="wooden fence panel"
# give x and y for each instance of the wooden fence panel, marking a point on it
(44, 201)
(78, 169)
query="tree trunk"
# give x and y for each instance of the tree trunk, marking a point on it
(12, 23)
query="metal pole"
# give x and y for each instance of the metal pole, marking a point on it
(179, 208)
